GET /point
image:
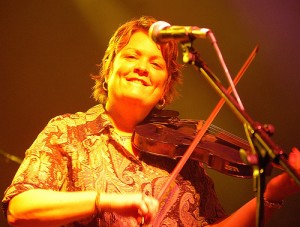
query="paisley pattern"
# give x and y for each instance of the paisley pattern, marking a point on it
(77, 152)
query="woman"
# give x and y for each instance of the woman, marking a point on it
(83, 171)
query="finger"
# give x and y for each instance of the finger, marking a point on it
(294, 159)
(295, 149)
(152, 205)
(140, 220)
(143, 207)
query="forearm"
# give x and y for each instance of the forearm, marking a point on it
(50, 208)
(245, 216)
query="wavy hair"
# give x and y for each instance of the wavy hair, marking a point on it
(119, 40)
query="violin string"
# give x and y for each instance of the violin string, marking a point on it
(230, 138)
(218, 132)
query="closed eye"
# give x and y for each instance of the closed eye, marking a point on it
(158, 64)
(130, 56)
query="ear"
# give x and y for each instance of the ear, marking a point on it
(106, 77)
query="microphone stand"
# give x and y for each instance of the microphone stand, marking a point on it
(264, 150)
(11, 157)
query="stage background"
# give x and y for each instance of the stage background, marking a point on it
(48, 49)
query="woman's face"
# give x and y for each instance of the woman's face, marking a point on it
(139, 74)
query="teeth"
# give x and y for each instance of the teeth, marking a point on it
(137, 81)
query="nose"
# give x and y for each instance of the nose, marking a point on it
(141, 68)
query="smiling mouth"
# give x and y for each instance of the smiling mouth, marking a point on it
(137, 81)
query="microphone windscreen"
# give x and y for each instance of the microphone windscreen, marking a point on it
(155, 28)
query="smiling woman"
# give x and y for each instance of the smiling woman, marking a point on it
(137, 82)
(82, 169)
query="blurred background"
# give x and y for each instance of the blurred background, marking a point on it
(48, 49)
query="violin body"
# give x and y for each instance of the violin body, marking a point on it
(218, 149)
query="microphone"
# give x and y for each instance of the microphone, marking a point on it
(161, 32)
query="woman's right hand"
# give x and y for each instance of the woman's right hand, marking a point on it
(133, 204)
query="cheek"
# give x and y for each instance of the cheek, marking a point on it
(121, 69)
(161, 80)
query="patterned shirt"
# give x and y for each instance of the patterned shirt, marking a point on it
(80, 152)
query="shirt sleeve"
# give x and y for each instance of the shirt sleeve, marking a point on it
(45, 162)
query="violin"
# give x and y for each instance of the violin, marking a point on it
(168, 136)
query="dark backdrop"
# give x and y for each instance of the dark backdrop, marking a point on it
(48, 49)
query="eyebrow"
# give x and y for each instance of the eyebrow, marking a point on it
(140, 52)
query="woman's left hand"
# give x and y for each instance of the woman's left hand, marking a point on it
(283, 185)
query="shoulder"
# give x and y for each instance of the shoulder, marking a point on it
(92, 116)
(80, 117)
(78, 125)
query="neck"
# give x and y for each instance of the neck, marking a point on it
(125, 117)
